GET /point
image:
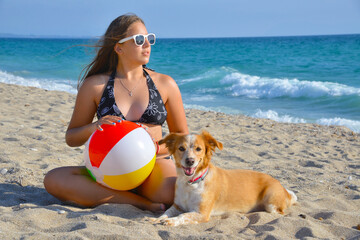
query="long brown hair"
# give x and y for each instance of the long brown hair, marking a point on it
(106, 58)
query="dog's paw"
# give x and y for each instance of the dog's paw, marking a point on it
(154, 220)
(151, 220)
(161, 220)
(183, 219)
(170, 222)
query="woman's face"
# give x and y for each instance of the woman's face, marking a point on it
(133, 53)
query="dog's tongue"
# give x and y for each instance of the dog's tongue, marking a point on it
(189, 171)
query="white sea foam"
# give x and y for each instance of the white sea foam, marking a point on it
(191, 80)
(270, 114)
(49, 84)
(200, 77)
(351, 124)
(262, 87)
(273, 115)
(209, 74)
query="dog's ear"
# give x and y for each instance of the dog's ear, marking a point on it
(170, 141)
(211, 142)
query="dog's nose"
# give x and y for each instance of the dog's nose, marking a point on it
(189, 161)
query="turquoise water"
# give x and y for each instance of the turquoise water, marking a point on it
(288, 79)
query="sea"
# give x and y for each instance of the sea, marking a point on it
(301, 79)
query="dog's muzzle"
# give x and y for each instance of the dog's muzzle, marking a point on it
(189, 168)
(189, 162)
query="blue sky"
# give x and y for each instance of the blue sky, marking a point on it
(183, 18)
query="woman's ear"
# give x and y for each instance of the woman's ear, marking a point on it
(117, 49)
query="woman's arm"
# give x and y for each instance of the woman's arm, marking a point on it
(81, 125)
(176, 118)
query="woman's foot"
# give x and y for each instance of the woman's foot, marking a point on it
(157, 207)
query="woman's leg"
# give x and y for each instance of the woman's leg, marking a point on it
(74, 184)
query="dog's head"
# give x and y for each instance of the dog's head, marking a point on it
(192, 153)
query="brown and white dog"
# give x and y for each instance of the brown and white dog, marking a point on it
(203, 189)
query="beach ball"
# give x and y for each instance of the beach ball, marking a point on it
(121, 156)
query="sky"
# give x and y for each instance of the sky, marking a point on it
(182, 18)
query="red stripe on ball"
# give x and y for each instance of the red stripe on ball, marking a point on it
(102, 142)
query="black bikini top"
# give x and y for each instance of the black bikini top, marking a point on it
(155, 112)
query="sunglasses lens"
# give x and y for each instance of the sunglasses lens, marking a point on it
(139, 40)
(151, 39)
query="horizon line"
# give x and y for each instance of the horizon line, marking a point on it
(30, 36)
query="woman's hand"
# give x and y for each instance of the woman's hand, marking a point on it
(108, 119)
(152, 132)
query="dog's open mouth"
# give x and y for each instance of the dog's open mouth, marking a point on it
(189, 171)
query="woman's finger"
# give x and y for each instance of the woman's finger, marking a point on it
(143, 126)
(98, 126)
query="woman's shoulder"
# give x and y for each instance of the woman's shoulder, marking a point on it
(95, 82)
(166, 85)
(162, 79)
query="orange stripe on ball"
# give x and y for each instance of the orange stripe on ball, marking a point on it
(130, 180)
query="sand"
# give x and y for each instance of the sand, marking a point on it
(320, 164)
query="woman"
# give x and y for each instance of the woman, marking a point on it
(116, 86)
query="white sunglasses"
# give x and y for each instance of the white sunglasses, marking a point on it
(139, 39)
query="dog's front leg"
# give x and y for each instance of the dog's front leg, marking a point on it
(202, 214)
(185, 218)
(171, 212)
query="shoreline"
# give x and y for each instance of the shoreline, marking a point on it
(319, 163)
(278, 118)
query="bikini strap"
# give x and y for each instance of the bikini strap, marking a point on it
(113, 74)
(149, 81)
(145, 67)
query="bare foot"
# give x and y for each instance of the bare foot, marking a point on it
(157, 207)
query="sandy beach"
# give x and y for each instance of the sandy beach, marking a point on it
(320, 164)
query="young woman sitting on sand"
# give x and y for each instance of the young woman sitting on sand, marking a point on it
(116, 86)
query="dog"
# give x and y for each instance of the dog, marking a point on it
(203, 189)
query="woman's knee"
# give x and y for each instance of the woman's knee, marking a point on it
(166, 192)
(50, 179)
(160, 185)
(55, 178)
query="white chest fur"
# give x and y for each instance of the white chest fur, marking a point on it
(188, 196)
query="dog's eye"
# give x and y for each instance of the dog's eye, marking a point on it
(198, 149)
(181, 149)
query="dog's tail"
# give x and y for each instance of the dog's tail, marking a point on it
(293, 197)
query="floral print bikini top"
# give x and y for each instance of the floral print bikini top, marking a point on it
(155, 112)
